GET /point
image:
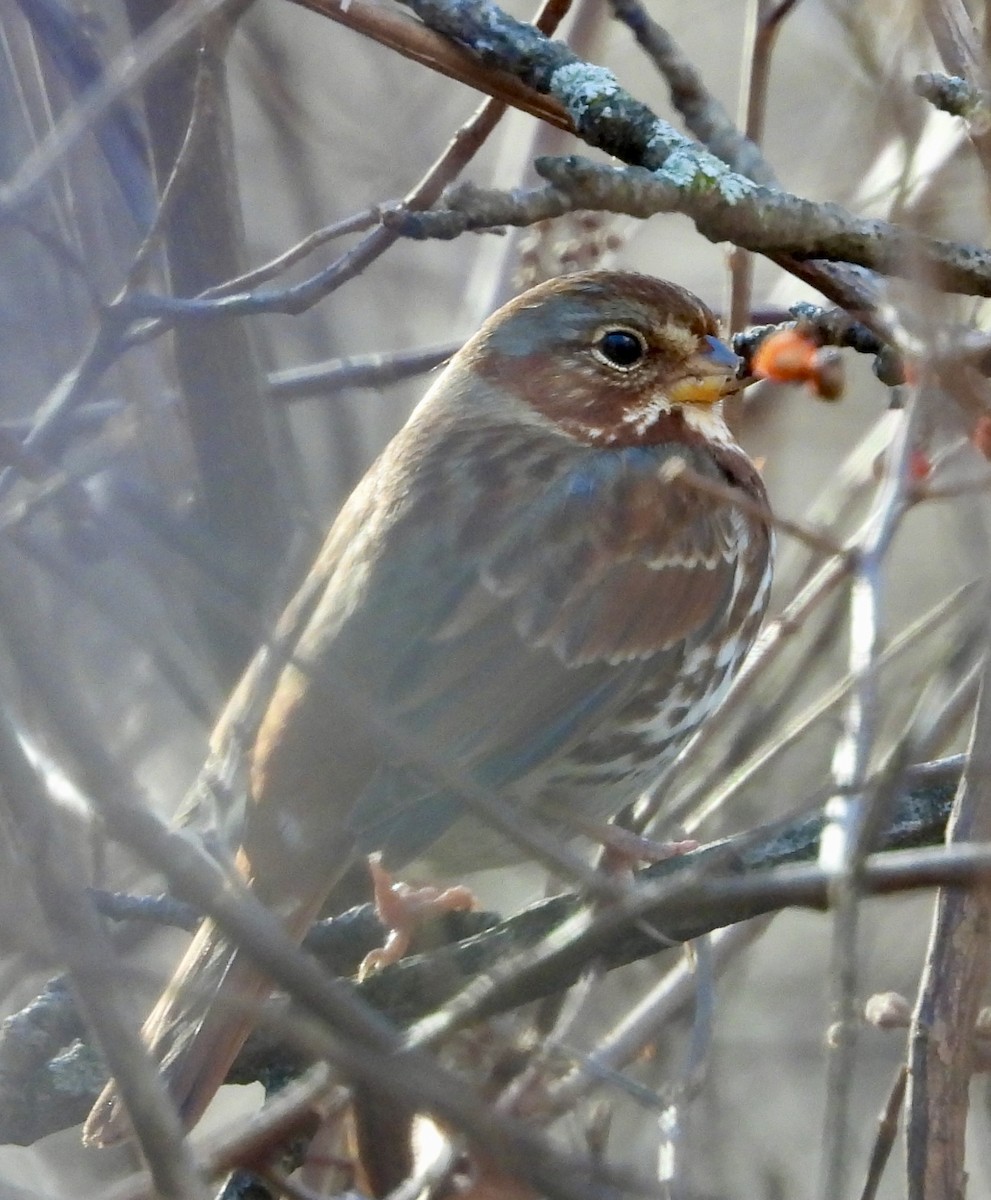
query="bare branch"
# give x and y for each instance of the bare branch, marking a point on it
(421, 45)
(167, 36)
(764, 220)
(80, 942)
(704, 116)
(941, 1056)
(496, 967)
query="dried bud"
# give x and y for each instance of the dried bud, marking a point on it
(888, 1010)
(836, 1034)
(829, 373)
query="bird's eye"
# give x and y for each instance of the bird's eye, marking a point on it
(620, 348)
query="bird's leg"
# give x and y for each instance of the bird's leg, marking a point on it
(623, 849)
(402, 909)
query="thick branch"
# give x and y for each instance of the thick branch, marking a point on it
(606, 116)
(702, 112)
(218, 373)
(44, 1086)
(423, 46)
(941, 1045)
(724, 207)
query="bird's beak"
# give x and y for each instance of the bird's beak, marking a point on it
(709, 375)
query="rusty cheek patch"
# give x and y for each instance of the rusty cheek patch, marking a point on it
(587, 406)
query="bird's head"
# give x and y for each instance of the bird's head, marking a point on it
(611, 358)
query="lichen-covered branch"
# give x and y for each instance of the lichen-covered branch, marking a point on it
(955, 96)
(609, 118)
(702, 112)
(757, 218)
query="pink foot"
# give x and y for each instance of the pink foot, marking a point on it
(402, 909)
(623, 849)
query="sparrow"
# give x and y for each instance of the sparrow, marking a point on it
(527, 596)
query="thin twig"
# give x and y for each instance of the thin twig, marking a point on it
(356, 371)
(887, 1132)
(703, 115)
(145, 331)
(79, 940)
(643, 1022)
(357, 223)
(851, 810)
(941, 1043)
(766, 19)
(143, 56)
(175, 182)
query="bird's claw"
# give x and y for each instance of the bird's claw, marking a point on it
(402, 909)
(623, 849)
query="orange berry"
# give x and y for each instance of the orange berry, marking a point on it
(790, 356)
(786, 356)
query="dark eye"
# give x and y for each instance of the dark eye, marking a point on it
(622, 348)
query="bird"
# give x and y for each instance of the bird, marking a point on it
(525, 593)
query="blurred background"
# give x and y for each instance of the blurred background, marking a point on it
(151, 531)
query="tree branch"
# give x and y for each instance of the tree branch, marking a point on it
(761, 219)
(491, 966)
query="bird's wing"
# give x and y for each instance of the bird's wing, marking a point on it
(531, 626)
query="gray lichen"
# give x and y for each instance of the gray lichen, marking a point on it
(579, 85)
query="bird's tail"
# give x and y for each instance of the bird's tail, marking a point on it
(197, 1027)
